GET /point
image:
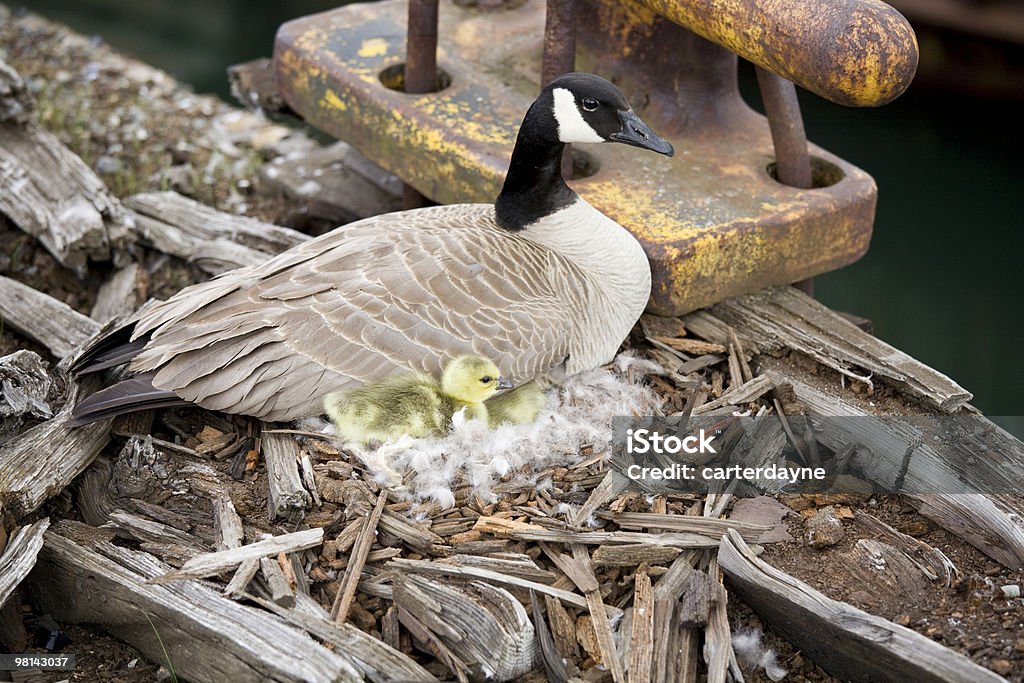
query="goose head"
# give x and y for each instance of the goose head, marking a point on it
(587, 108)
(573, 108)
(472, 379)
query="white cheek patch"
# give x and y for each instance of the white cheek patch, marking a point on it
(571, 125)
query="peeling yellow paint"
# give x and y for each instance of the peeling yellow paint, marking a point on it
(373, 47)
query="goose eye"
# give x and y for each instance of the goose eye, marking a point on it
(487, 379)
(589, 103)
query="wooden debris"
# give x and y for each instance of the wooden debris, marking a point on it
(47, 191)
(633, 555)
(580, 572)
(240, 579)
(227, 525)
(738, 395)
(19, 555)
(554, 665)
(484, 626)
(46, 321)
(842, 639)
(26, 386)
(717, 635)
(42, 461)
(708, 526)
(513, 564)
(254, 84)
(784, 317)
(694, 346)
(695, 604)
(529, 532)
(288, 498)
(213, 240)
(277, 584)
(376, 660)
(210, 564)
(928, 465)
(148, 531)
(641, 647)
(439, 569)
(120, 294)
(347, 590)
(931, 561)
(224, 640)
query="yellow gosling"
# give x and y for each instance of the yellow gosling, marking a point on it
(519, 406)
(415, 405)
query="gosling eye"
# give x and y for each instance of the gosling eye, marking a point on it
(486, 379)
(590, 104)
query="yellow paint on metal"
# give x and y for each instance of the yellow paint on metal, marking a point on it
(373, 47)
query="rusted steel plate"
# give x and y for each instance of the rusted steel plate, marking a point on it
(712, 219)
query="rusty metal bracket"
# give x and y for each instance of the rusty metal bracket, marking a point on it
(725, 216)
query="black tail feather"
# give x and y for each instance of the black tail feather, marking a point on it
(128, 396)
(109, 351)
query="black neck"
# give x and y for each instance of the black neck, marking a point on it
(534, 187)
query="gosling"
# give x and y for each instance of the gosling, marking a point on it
(519, 406)
(415, 405)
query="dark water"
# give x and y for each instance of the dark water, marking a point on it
(943, 278)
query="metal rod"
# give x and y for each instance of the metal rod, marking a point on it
(420, 68)
(559, 54)
(421, 47)
(792, 161)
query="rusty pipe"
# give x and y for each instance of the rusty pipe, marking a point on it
(559, 54)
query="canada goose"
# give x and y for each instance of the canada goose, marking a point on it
(519, 406)
(415, 405)
(540, 282)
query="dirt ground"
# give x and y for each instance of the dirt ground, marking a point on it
(134, 126)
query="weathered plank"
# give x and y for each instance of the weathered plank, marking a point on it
(46, 321)
(213, 240)
(40, 462)
(206, 638)
(121, 294)
(784, 317)
(51, 194)
(641, 643)
(214, 563)
(483, 625)
(841, 639)
(288, 498)
(350, 581)
(18, 558)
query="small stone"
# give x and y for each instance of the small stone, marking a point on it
(902, 620)
(1011, 590)
(823, 528)
(1001, 666)
(1018, 645)
(107, 165)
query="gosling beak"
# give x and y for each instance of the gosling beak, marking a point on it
(635, 132)
(504, 383)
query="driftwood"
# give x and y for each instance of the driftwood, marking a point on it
(470, 573)
(843, 640)
(288, 498)
(376, 660)
(213, 240)
(277, 583)
(42, 461)
(49, 192)
(784, 317)
(18, 558)
(25, 386)
(895, 455)
(483, 625)
(214, 563)
(360, 549)
(206, 637)
(46, 321)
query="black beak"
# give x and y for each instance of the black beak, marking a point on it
(635, 132)
(504, 383)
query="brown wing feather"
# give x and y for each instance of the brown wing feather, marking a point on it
(385, 295)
